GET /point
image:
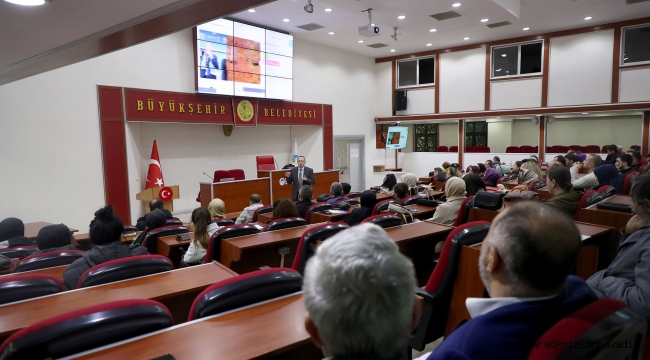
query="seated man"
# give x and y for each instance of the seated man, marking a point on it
(589, 181)
(304, 200)
(246, 215)
(12, 233)
(571, 159)
(612, 154)
(627, 277)
(526, 272)
(346, 188)
(153, 205)
(636, 159)
(502, 169)
(624, 166)
(53, 238)
(358, 291)
(401, 192)
(563, 198)
(336, 193)
(560, 159)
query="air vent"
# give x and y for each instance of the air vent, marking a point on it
(310, 27)
(377, 45)
(499, 24)
(446, 15)
(630, 2)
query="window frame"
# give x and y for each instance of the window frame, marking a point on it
(426, 137)
(621, 63)
(417, 72)
(518, 45)
(473, 134)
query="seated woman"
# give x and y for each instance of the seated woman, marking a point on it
(438, 175)
(12, 233)
(388, 185)
(491, 177)
(217, 210)
(105, 234)
(283, 208)
(401, 192)
(526, 177)
(453, 172)
(481, 169)
(532, 166)
(411, 181)
(199, 245)
(53, 238)
(368, 201)
(447, 212)
(563, 197)
(604, 173)
(473, 183)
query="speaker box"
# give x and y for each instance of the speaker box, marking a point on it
(400, 100)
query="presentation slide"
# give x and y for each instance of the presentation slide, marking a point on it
(279, 66)
(250, 37)
(249, 61)
(212, 81)
(279, 88)
(396, 138)
(252, 85)
(278, 43)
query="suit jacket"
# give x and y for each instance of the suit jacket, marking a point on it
(293, 179)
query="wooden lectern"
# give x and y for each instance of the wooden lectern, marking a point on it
(152, 193)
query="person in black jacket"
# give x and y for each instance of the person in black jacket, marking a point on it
(153, 205)
(368, 201)
(155, 219)
(304, 200)
(12, 233)
(105, 233)
(53, 238)
(612, 154)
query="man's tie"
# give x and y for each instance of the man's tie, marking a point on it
(299, 177)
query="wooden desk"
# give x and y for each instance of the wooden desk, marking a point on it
(170, 247)
(615, 219)
(83, 240)
(175, 289)
(544, 194)
(382, 197)
(420, 212)
(425, 179)
(248, 253)
(56, 271)
(234, 215)
(32, 229)
(236, 193)
(323, 181)
(269, 330)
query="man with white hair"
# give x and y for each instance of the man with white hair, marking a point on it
(358, 291)
(526, 271)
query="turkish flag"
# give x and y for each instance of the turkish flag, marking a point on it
(154, 175)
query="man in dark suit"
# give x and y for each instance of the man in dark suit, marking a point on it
(299, 176)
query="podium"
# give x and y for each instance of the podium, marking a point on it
(152, 193)
(323, 180)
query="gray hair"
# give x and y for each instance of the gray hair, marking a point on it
(305, 192)
(409, 179)
(358, 290)
(336, 189)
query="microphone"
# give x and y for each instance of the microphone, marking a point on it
(276, 163)
(209, 176)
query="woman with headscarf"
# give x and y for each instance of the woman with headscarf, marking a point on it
(604, 173)
(217, 209)
(473, 183)
(491, 177)
(368, 201)
(447, 212)
(411, 181)
(388, 185)
(532, 166)
(12, 233)
(53, 238)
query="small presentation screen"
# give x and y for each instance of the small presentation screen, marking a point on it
(396, 138)
(244, 60)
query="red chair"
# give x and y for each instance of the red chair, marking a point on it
(125, 268)
(265, 162)
(607, 191)
(244, 290)
(562, 149)
(589, 198)
(536, 185)
(22, 287)
(437, 293)
(307, 245)
(442, 149)
(470, 149)
(575, 147)
(503, 178)
(381, 206)
(627, 183)
(285, 223)
(223, 222)
(483, 149)
(513, 149)
(604, 149)
(88, 328)
(527, 149)
(463, 213)
(261, 210)
(226, 232)
(353, 195)
(384, 220)
(317, 207)
(18, 252)
(602, 321)
(409, 200)
(151, 239)
(237, 174)
(173, 221)
(453, 148)
(220, 174)
(636, 147)
(48, 259)
(591, 149)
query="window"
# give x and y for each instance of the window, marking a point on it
(426, 137)
(416, 72)
(519, 59)
(636, 45)
(476, 133)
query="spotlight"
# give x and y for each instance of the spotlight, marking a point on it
(309, 7)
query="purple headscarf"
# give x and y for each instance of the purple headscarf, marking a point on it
(581, 157)
(491, 174)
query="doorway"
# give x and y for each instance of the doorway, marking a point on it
(349, 160)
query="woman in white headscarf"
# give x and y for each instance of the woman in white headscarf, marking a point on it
(447, 212)
(411, 181)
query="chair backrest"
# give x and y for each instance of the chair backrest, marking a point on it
(129, 229)
(453, 148)
(223, 222)
(503, 178)
(354, 195)
(604, 149)
(307, 245)
(48, 259)
(526, 149)
(627, 183)
(265, 162)
(591, 149)
(261, 210)
(226, 232)
(381, 206)
(604, 321)
(462, 216)
(409, 200)
(285, 223)
(588, 198)
(173, 221)
(562, 149)
(350, 201)
(24, 286)
(18, 252)
(442, 149)
(607, 191)
(512, 149)
(244, 290)
(482, 149)
(86, 329)
(151, 240)
(316, 208)
(237, 174)
(384, 220)
(636, 147)
(125, 268)
(575, 147)
(220, 174)
(470, 149)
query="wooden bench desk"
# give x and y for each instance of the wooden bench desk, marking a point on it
(382, 197)
(56, 271)
(615, 219)
(176, 289)
(420, 212)
(170, 247)
(32, 229)
(273, 329)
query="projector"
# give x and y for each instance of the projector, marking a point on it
(369, 31)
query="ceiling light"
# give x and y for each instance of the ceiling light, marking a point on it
(504, 55)
(588, 18)
(401, 17)
(429, 44)
(331, 33)
(28, 2)
(285, 20)
(526, 28)
(392, 50)
(251, 10)
(455, 4)
(328, 10)
(309, 7)
(433, 30)
(465, 38)
(485, 20)
(360, 41)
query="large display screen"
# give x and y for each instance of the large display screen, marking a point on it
(244, 60)
(396, 138)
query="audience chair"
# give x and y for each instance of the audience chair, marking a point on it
(261, 210)
(513, 149)
(536, 185)
(562, 149)
(220, 174)
(285, 223)
(604, 321)
(22, 287)
(223, 222)
(575, 148)
(237, 174)
(87, 328)
(317, 207)
(607, 191)
(409, 200)
(351, 201)
(550, 149)
(151, 240)
(354, 195)
(173, 221)
(265, 162)
(636, 147)
(604, 149)
(527, 149)
(438, 291)
(442, 149)
(226, 232)
(125, 268)
(503, 178)
(48, 259)
(470, 149)
(244, 290)
(588, 198)
(309, 242)
(627, 183)
(463, 213)
(381, 206)
(18, 252)
(129, 229)
(483, 149)
(453, 148)
(384, 220)
(591, 149)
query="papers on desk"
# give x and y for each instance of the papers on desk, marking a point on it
(337, 211)
(584, 237)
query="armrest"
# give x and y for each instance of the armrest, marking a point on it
(427, 296)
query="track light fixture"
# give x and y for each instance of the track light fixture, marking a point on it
(309, 7)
